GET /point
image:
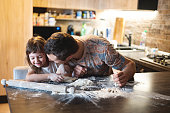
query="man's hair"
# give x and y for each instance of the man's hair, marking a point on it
(62, 45)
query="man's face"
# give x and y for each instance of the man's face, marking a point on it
(55, 59)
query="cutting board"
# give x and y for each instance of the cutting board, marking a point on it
(119, 30)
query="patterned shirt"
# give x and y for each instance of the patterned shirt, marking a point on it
(99, 55)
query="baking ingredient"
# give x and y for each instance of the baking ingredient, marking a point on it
(82, 82)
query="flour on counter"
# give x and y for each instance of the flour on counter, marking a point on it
(91, 90)
(82, 82)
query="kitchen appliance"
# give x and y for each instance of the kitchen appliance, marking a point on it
(46, 31)
(160, 60)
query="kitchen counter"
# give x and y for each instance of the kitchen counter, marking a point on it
(149, 94)
(136, 56)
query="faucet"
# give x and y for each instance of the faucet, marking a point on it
(129, 38)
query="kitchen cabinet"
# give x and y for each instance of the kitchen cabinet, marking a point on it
(118, 4)
(49, 3)
(15, 30)
(87, 4)
(66, 4)
(147, 4)
(142, 68)
(98, 4)
(129, 4)
(82, 4)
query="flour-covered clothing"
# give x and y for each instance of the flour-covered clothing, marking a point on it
(99, 55)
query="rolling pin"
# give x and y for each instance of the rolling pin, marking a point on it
(38, 86)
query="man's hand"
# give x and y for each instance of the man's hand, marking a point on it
(79, 71)
(120, 78)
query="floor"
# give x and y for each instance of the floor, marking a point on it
(4, 108)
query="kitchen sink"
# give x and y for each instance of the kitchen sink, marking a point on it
(125, 48)
(121, 45)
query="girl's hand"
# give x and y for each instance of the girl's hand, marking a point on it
(56, 77)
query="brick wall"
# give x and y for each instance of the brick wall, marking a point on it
(158, 28)
(162, 26)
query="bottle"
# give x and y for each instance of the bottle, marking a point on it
(83, 29)
(108, 33)
(143, 38)
(46, 19)
(55, 14)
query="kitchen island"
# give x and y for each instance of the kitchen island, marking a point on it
(150, 93)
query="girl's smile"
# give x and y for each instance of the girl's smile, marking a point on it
(38, 59)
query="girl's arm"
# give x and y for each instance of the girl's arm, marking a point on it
(33, 77)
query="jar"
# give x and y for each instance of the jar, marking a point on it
(78, 14)
(52, 21)
(84, 14)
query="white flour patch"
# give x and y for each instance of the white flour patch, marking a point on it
(36, 95)
(82, 82)
(108, 90)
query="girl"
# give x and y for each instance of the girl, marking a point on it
(40, 67)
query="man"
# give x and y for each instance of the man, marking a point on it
(92, 55)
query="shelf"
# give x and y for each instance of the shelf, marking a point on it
(66, 19)
(44, 26)
(74, 19)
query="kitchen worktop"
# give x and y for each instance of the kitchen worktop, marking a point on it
(137, 55)
(149, 94)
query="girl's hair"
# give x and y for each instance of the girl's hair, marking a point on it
(35, 45)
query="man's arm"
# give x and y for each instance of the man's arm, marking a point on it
(128, 71)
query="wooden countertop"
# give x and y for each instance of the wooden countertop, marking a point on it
(137, 55)
(149, 94)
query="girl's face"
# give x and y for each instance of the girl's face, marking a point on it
(38, 59)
